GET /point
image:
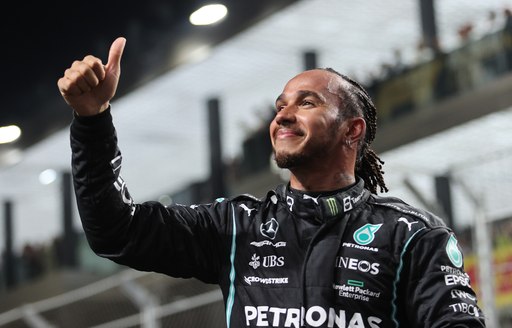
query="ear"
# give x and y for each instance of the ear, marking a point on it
(356, 130)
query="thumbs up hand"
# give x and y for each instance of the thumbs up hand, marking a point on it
(88, 85)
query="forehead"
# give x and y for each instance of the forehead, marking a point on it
(322, 82)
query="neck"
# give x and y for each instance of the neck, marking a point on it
(325, 174)
(321, 181)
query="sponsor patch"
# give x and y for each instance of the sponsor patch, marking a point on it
(314, 316)
(269, 229)
(453, 251)
(268, 243)
(265, 281)
(366, 234)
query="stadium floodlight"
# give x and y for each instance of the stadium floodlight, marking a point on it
(208, 14)
(9, 133)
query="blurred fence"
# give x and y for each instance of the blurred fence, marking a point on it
(127, 299)
(489, 261)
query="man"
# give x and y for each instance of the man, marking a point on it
(321, 251)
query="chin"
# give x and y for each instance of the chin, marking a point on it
(288, 160)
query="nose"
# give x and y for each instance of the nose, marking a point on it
(286, 115)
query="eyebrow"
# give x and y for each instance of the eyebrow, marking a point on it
(303, 94)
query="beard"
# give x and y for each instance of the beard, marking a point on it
(289, 160)
(314, 150)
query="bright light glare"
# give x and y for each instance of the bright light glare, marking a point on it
(11, 157)
(208, 14)
(47, 176)
(166, 200)
(199, 54)
(9, 133)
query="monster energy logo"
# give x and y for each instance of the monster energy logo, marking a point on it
(333, 206)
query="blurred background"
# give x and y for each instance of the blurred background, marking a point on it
(192, 114)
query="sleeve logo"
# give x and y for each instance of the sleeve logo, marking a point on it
(453, 252)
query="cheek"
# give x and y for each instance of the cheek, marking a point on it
(272, 129)
(319, 125)
(325, 130)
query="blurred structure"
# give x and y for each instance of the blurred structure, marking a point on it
(446, 90)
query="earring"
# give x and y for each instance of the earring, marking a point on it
(348, 142)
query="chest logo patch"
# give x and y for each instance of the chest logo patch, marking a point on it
(269, 229)
(409, 224)
(290, 201)
(366, 234)
(255, 261)
(247, 209)
(333, 206)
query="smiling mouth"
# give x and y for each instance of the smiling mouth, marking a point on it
(286, 133)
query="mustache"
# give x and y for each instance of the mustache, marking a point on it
(285, 129)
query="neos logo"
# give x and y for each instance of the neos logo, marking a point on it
(357, 265)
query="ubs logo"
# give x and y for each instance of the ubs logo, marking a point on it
(269, 261)
(269, 229)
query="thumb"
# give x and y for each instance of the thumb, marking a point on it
(115, 54)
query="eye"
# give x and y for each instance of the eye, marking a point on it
(279, 107)
(307, 103)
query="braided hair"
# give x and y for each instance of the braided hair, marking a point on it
(358, 103)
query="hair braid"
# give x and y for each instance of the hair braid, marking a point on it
(358, 103)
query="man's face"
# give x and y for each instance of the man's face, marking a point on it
(307, 124)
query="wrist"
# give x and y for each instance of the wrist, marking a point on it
(92, 127)
(104, 107)
(92, 112)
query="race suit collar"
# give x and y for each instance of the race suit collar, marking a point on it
(325, 206)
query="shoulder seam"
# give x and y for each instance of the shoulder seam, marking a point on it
(249, 196)
(431, 220)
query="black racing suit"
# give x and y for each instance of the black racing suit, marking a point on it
(344, 259)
